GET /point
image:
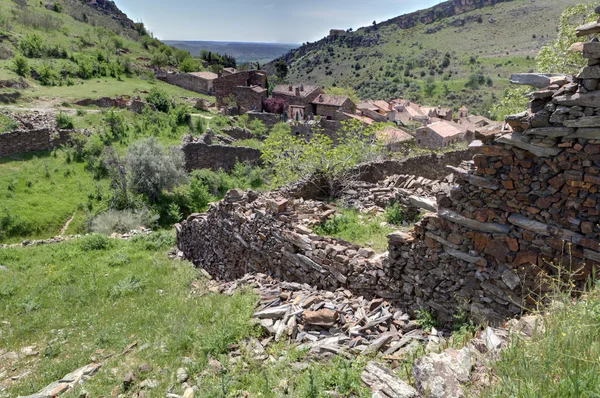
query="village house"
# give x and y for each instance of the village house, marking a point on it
(379, 111)
(246, 88)
(409, 114)
(298, 98)
(198, 82)
(333, 107)
(439, 135)
(395, 139)
(438, 112)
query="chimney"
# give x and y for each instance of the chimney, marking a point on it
(321, 98)
(302, 87)
(291, 88)
(297, 91)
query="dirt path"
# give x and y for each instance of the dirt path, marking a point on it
(63, 231)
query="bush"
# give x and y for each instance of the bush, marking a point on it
(64, 121)
(258, 128)
(159, 60)
(33, 46)
(95, 242)
(122, 221)
(21, 65)
(199, 196)
(159, 99)
(116, 124)
(189, 65)
(48, 76)
(152, 169)
(200, 126)
(155, 241)
(394, 214)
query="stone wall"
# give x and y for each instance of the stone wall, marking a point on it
(268, 119)
(200, 155)
(21, 141)
(522, 214)
(226, 86)
(188, 82)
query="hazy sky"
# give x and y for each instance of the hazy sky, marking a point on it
(283, 21)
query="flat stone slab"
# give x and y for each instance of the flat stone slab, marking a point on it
(492, 228)
(590, 72)
(591, 99)
(514, 139)
(588, 29)
(553, 132)
(590, 121)
(429, 204)
(589, 133)
(384, 383)
(537, 80)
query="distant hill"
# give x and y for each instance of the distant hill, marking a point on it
(456, 53)
(242, 52)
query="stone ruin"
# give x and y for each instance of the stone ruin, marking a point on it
(523, 211)
(37, 131)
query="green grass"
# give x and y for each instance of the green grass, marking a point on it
(563, 361)
(93, 297)
(356, 228)
(39, 192)
(76, 298)
(7, 124)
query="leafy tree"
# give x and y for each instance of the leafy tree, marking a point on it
(152, 169)
(57, 7)
(429, 86)
(554, 57)
(189, 64)
(281, 69)
(159, 60)
(258, 128)
(181, 55)
(291, 158)
(159, 99)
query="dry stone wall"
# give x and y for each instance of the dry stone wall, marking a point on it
(524, 212)
(201, 155)
(21, 141)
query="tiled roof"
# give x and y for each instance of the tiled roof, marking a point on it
(392, 134)
(444, 129)
(330, 100)
(364, 119)
(205, 75)
(368, 105)
(284, 89)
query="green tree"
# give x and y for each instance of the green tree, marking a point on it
(189, 64)
(429, 86)
(281, 69)
(291, 158)
(554, 57)
(152, 168)
(346, 91)
(21, 65)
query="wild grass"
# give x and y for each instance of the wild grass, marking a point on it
(40, 191)
(7, 124)
(95, 296)
(356, 228)
(563, 361)
(89, 299)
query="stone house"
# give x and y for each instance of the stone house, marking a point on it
(408, 113)
(438, 113)
(297, 97)
(247, 88)
(198, 82)
(333, 107)
(439, 135)
(463, 112)
(394, 139)
(380, 111)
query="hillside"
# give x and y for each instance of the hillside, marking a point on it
(76, 50)
(447, 55)
(242, 52)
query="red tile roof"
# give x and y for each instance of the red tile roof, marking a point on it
(284, 89)
(391, 134)
(444, 129)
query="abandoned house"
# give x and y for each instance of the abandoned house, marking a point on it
(244, 89)
(394, 139)
(379, 111)
(298, 99)
(439, 135)
(198, 82)
(333, 107)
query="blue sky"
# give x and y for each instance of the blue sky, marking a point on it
(282, 21)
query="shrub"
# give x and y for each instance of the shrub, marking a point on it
(199, 196)
(155, 241)
(159, 60)
(200, 126)
(47, 75)
(95, 242)
(33, 46)
(122, 221)
(258, 128)
(64, 121)
(394, 214)
(116, 124)
(274, 105)
(159, 99)
(152, 169)
(189, 64)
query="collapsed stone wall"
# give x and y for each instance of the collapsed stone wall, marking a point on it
(21, 141)
(201, 155)
(189, 82)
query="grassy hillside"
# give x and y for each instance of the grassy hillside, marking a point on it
(463, 59)
(77, 51)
